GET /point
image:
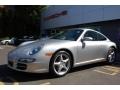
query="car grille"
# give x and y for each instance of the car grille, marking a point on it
(21, 66)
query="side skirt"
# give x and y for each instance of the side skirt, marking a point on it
(89, 62)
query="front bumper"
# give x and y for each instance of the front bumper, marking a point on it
(34, 67)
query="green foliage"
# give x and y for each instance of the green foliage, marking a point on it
(21, 20)
(4, 38)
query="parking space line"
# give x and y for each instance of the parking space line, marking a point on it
(111, 69)
(47, 83)
(108, 70)
(112, 74)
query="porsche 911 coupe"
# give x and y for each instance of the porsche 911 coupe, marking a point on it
(59, 53)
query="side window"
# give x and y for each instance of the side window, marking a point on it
(91, 34)
(100, 37)
(96, 36)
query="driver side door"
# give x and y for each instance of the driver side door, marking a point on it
(88, 49)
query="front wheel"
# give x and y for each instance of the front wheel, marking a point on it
(60, 63)
(111, 56)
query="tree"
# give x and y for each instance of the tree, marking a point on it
(21, 20)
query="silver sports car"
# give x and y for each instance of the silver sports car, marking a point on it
(60, 53)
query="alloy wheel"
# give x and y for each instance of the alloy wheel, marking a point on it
(111, 55)
(61, 64)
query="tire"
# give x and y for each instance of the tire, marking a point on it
(111, 56)
(60, 64)
(6, 43)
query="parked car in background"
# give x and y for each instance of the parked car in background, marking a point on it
(22, 39)
(7, 41)
(60, 53)
(0, 41)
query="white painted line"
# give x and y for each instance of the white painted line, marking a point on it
(111, 69)
(112, 74)
(47, 83)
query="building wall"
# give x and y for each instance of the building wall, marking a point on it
(81, 14)
(105, 19)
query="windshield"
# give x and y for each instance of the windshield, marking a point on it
(68, 35)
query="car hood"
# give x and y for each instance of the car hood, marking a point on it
(43, 42)
(24, 49)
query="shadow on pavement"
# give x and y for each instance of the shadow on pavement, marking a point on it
(9, 76)
(84, 67)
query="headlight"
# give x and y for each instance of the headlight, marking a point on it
(34, 51)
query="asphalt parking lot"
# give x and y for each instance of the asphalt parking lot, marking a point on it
(95, 74)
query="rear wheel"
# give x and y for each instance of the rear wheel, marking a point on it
(60, 64)
(111, 56)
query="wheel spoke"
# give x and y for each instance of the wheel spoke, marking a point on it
(61, 64)
(57, 63)
(61, 57)
(111, 56)
(112, 53)
(66, 60)
(59, 69)
(65, 67)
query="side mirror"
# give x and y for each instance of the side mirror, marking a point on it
(87, 39)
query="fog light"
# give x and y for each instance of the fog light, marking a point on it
(26, 60)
